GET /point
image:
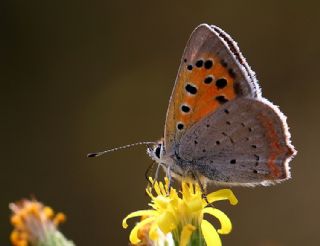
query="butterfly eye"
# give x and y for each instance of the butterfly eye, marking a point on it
(157, 151)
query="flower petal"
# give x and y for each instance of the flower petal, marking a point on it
(138, 214)
(223, 194)
(134, 239)
(166, 222)
(186, 234)
(194, 205)
(210, 234)
(153, 233)
(186, 192)
(225, 222)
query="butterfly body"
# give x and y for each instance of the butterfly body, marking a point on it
(218, 126)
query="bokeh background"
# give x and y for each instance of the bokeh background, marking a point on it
(80, 76)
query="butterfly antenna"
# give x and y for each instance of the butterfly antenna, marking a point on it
(95, 154)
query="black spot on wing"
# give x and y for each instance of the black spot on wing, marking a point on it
(199, 63)
(237, 88)
(221, 83)
(223, 63)
(208, 64)
(208, 80)
(222, 99)
(185, 108)
(191, 89)
(232, 73)
(180, 126)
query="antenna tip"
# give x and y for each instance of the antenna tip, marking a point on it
(92, 154)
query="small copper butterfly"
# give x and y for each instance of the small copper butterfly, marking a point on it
(218, 126)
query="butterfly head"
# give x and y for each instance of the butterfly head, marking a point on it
(156, 151)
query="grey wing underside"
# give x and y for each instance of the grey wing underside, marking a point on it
(245, 142)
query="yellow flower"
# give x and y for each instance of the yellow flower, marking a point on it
(182, 216)
(35, 224)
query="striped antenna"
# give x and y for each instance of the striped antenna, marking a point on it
(95, 154)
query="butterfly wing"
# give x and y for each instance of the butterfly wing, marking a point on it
(245, 141)
(212, 72)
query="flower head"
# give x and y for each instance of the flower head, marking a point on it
(36, 224)
(182, 216)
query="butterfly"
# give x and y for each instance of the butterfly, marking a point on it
(218, 126)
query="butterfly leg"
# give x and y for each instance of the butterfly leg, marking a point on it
(156, 175)
(148, 172)
(169, 176)
(202, 187)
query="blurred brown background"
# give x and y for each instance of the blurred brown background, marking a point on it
(81, 76)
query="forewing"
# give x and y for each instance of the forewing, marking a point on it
(212, 72)
(245, 141)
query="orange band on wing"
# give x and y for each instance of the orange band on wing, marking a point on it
(276, 149)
